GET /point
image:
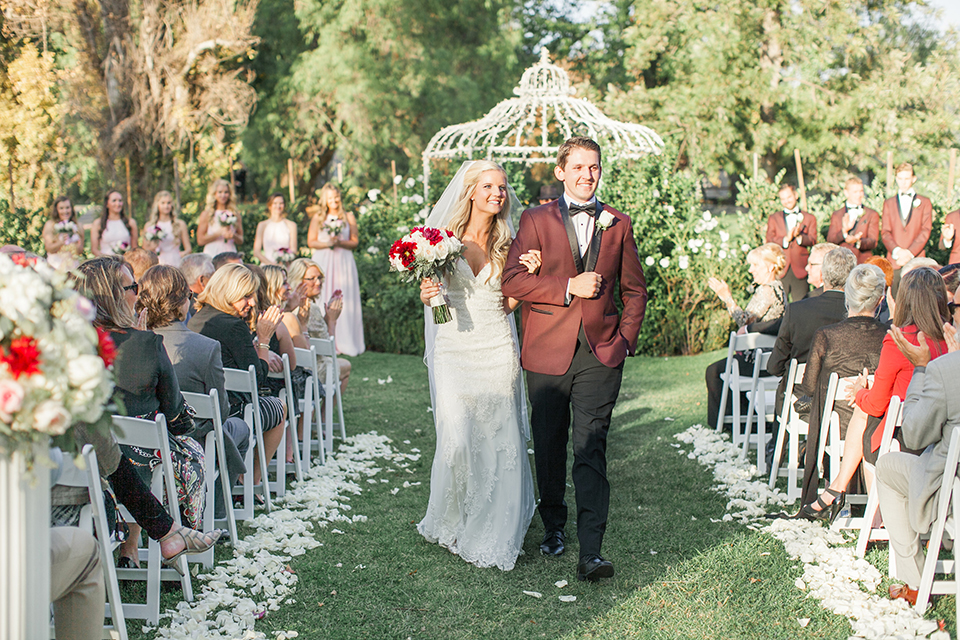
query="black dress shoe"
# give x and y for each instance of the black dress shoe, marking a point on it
(552, 544)
(593, 568)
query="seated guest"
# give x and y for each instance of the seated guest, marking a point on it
(921, 308)
(845, 348)
(148, 385)
(197, 269)
(885, 312)
(318, 319)
(140, 260)
(76, 584)
(909, 485)
(803, 318)
(227, 257)
(766, 263)
(196, 359)
(951, 278)
(227, 313)
(919, 262)
(814, 267)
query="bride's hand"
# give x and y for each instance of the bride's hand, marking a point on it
(531, 260)
(428, 289)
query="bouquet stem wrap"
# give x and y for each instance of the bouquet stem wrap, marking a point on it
(441, 313)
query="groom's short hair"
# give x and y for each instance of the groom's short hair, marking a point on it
(578, 142)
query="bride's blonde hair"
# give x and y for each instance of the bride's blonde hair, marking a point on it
(498, 243)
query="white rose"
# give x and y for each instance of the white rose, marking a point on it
(362, 209)
(372, 194)
(605, 219)
(745, 248)
(50, 417)
(404, 200)
(683, 262)
(443, 250)
(707, 215)
(410, 183)
(664, 262)
(397, 179)
(373, 250)
(722, 255)
(656, 193)
(11, 399)
(671, 210)
(428, 252)
(649, 261)
(724, 236)
(85, 372)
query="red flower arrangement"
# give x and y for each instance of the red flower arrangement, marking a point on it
(22, 358)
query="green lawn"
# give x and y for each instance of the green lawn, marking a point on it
(679, 575)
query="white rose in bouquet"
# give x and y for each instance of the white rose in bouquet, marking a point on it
(85, 372)
(50, 417)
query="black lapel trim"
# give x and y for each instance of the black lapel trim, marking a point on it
(593, 251)
(571, 235)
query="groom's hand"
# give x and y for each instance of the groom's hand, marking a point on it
(586, 285)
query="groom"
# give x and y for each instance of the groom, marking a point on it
(574, 342)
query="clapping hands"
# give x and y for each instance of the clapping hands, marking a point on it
(335, 305)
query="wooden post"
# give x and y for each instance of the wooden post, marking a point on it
(393, 169)
(176, 183)
(290, 175)
(340, 172)
(951, 174)
(233, 178)
(890, 175)
(800, 184)
(126, 161)
(756, 165)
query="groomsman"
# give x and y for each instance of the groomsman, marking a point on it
(796, 232)
(948, 236)
(907, 220)
(854, 226)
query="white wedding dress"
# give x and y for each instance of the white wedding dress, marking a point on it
(481, 488)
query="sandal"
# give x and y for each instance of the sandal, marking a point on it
(126, 562)
(826, 511)
(193, 542)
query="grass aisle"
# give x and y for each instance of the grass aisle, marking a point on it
(679, 575)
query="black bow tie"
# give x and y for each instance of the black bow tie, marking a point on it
(855, 209)
(582, 208)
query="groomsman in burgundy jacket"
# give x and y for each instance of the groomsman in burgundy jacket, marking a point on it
(907, 220)
(796, 232)
(854, 226)
(948, 236)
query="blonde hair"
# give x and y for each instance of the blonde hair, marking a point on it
(99, 280)
(154, 214)
(212, 196)
(852, 181)
(904, 166)
(772, 254)
(229, 283)
(298, 269)
(275, 276)
(323, 211)
(498, 243)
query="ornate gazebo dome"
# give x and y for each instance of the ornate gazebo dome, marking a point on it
(531, 127)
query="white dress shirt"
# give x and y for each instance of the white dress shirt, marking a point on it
(906, 204)
(582, 223)
(793, 219)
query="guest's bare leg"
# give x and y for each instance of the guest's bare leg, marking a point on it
(851, 457)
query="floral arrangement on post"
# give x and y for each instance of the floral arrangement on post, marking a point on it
(426, 252)
(54, 365)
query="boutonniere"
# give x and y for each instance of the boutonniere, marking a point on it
(605, 220)
(916, 202)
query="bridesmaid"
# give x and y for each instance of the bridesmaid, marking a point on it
(62, 236)
(276, 239)
(333, 253)
(220, 227)
(113, 232)
(163, 219)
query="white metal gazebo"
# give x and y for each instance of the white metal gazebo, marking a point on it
(531, 127)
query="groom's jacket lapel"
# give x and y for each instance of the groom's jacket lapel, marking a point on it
(571, 235)
(593, 251)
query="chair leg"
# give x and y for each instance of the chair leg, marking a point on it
(777, 455)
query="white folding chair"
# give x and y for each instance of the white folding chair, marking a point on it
(734, 383)
(331, 387)
(310, 406)
(790, 426)
(763, 393)
(279, 462)
(207, 407)
(94, 521)
(152, 434)
(246, 382)
(945, 523)
(868, 532)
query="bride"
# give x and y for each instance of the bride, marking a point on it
(481, 489)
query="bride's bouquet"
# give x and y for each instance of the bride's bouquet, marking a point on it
(333, 225)
(426, 252)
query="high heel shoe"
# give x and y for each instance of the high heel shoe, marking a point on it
(193, 542)
(826, 511)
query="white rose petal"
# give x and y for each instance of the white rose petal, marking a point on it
(568, 598)
(560, 584)
(534, 594)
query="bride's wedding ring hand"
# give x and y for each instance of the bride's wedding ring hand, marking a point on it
(428, 289)
(586, 285)
(531, 260)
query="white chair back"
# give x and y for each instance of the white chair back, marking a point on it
(868, 532)
(790, 428)
(762, 403)
(207, 407)
(279, 462)
(310, 406)
(246, 382)
(331, 388)
(733, 381)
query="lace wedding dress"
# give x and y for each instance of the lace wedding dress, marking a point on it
(481, 488)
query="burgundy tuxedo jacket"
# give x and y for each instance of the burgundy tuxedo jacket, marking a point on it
(796, 253)
(914, 234)
(550, 326)
(953, 218)
(869, 224)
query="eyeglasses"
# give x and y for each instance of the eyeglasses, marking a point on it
(313, 279)
(135, 287)
(952, 307)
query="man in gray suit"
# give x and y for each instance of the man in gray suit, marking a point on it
(199, 367)
(908, 486)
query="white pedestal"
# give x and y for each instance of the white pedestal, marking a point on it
(24, 550)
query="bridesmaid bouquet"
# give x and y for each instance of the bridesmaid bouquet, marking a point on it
(333, 225)
(67, 228)
(225, 217)
(426, 252)
(285, 256)
(54, 365)
(156, 233)
(120, 247)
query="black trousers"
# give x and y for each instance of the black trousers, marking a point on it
(794, 288)
(590, 388)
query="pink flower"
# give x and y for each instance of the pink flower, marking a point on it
(11, 399)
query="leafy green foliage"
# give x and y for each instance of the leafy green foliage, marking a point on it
(21, 227)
